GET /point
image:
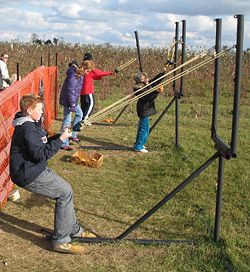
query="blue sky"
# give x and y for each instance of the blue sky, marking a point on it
(114, 21)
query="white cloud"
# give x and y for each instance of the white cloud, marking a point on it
(18, 19)
(114, 21)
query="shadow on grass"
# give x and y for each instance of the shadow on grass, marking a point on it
(21, 228)
(110, 147)
(127, 224)
(37, 201)
(110, 124)
(66, 158)
(102, 144)
(227, 262)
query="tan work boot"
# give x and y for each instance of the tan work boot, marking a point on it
(87, 234)
(69, 248)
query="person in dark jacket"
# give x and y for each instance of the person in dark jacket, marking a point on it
(29, 154)
(69, 97)
(145, 106)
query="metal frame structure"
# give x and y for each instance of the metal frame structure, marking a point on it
(177, 94)
(140, 67)
(223, 150)
(138, 50)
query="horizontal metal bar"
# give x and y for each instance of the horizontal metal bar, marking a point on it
(98, 240)
(138, 241)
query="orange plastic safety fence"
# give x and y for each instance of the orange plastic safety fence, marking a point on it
(43, 82)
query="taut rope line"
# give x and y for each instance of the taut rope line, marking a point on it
(201, 55)
(125, 64)
(97, 117)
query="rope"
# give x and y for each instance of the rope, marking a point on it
(99, 116)
(118, 69)
(201, 55)
(170, 60)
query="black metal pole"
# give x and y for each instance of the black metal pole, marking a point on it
(176, 38)
(219, 199)
(169, 196)
(48, 233)
(119, 115)
(140, 66)
(163, 113)
(214, 130)
(48, 59)
(177, 102)
(183, 55)
(17, 71)
(56, 63)
(216, 77)
(41, 61)
(237, 85)
(177, 106)
(138, 50)
(137, 241)
(56, 88)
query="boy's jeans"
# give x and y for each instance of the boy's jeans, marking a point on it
(67, 121)
(142, 133)
(51, 185)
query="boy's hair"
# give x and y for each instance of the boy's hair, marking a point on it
(139, 77)
(88, 64)
(29, 101)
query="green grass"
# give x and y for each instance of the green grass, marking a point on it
(109, 199)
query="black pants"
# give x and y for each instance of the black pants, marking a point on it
(87, 105)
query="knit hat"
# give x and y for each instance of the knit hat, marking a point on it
(87, 56)
(74, 62)
(139, 76)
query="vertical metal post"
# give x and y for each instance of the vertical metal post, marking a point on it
(177, 106)
(41, 61)
(140, 67)
(216, 77)
(138, 50)
(177, 102)
(219, 199)
(48, 59)
(183, 55)
(17, 71)
(56, 59)
(237, 85)
(217, 67)
(176, 38)
(56, 88)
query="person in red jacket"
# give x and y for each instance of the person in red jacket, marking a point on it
(87, 92)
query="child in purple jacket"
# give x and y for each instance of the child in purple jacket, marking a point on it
(69, 96)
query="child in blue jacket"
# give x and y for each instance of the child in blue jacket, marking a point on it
(69, 97)
(29, 154)
(145, 106)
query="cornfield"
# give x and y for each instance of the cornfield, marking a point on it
(108, 57)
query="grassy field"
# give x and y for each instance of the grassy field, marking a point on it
(109, 199)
